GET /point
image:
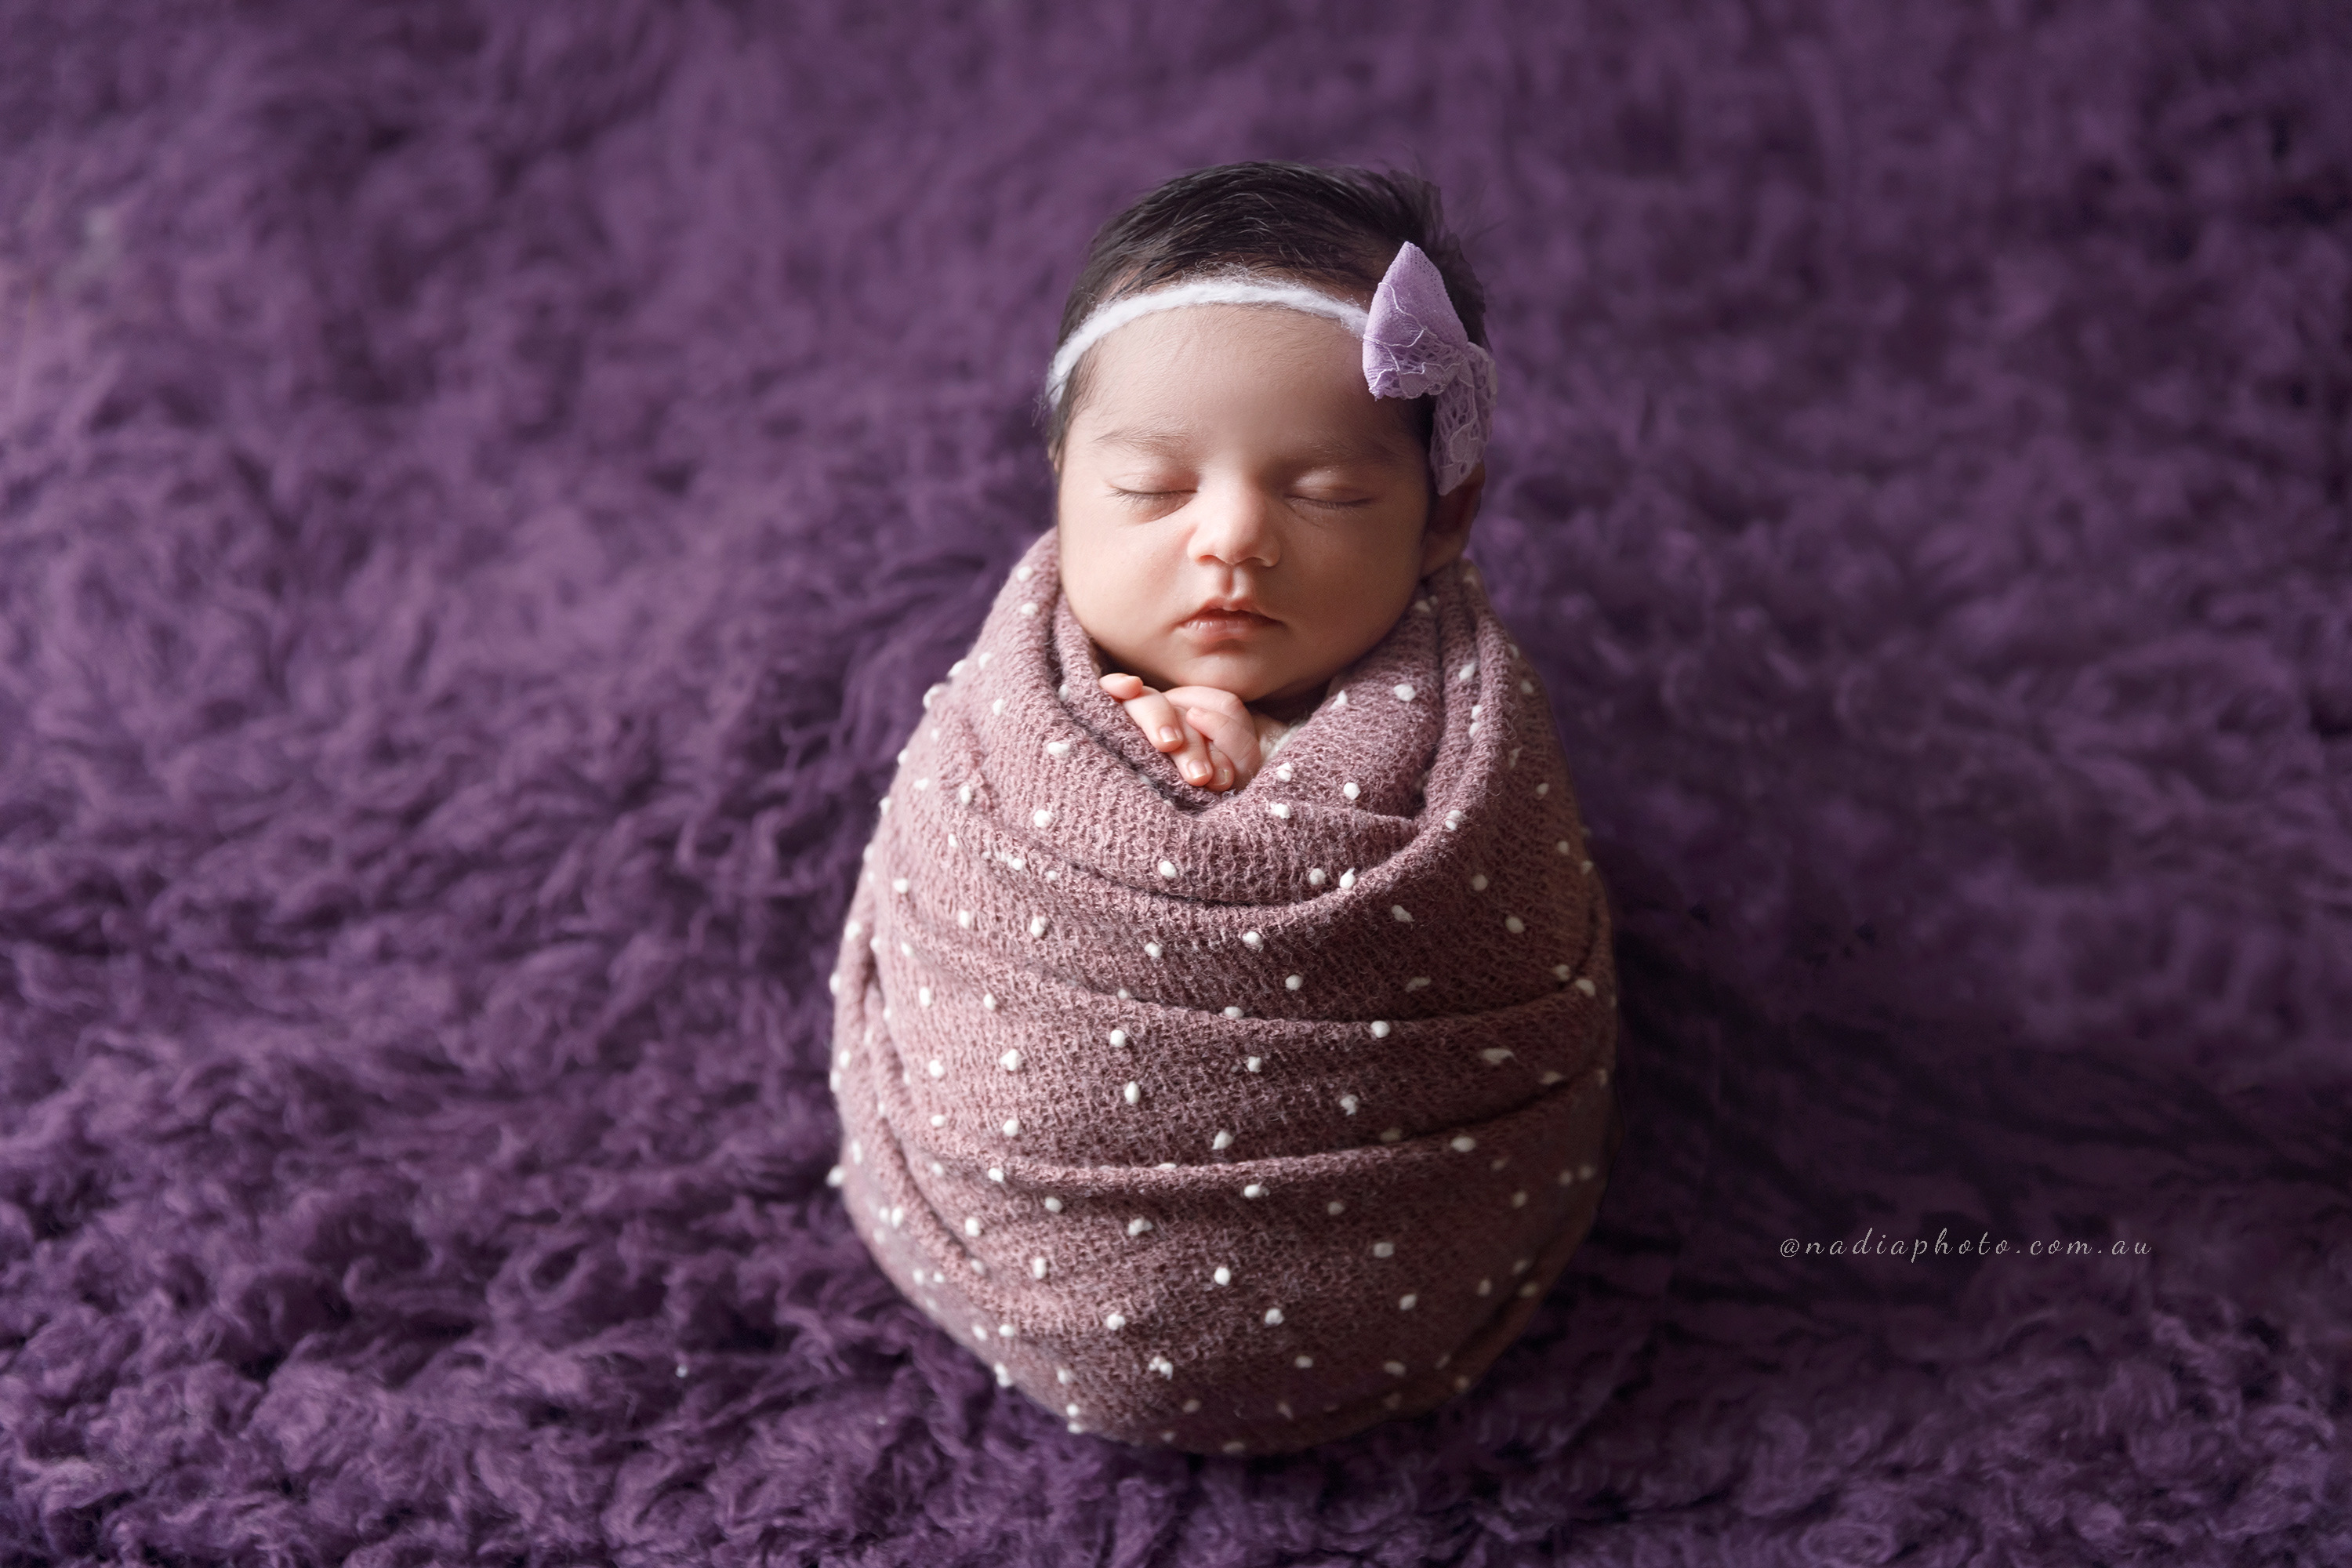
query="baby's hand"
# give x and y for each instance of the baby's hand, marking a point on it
(1212, 731)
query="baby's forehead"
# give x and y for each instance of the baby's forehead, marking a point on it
(1150, 385)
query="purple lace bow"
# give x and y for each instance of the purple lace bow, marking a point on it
(1413, 346)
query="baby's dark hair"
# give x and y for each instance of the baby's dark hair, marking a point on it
(1339, 224)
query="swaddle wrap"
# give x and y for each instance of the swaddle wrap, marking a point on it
(1239, 1121)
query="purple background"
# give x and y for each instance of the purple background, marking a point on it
(483, 488)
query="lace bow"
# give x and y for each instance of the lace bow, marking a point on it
(1414, 345)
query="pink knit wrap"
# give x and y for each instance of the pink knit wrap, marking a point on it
(1231, 1123)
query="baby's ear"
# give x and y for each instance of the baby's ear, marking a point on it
(1450, 517)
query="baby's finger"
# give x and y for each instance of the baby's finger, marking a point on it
(1230, 728)
(1198, 760)
(1152, 713)
(1235, 745)
(1191, 754)
(1201, 763)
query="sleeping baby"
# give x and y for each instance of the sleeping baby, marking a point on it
(1225, 1015)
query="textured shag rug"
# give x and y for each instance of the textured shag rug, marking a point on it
(483, 487)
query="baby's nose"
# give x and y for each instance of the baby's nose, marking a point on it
(1238, 523)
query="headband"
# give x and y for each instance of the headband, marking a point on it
(1414, 345)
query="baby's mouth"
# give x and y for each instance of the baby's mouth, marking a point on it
(1216, 624)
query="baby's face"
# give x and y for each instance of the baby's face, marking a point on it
(1230, 454)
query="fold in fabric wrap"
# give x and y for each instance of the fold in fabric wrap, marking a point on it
(1231, 1123)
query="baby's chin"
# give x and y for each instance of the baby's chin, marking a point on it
(1255, 683)
(1247, 677)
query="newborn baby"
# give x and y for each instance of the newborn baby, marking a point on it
(1225, 1015)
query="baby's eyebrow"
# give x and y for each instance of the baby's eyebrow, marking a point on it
(1152, 439)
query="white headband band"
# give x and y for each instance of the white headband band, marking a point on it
(1234, 290)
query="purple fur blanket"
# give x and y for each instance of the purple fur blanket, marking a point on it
(1230, 1122)
(483, 487)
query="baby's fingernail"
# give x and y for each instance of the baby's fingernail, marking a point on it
(1167, 734)
(1195, 769)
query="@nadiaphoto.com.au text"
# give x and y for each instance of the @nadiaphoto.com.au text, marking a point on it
(1872, 1245)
